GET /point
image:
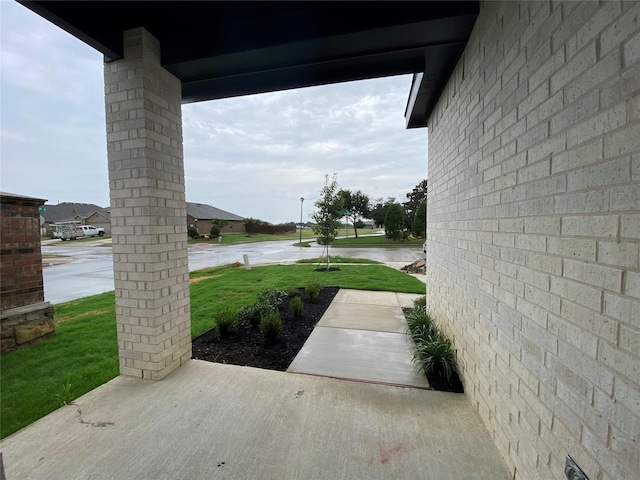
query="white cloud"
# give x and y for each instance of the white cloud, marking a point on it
(254, 156)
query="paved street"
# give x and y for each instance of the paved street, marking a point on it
(91, 270)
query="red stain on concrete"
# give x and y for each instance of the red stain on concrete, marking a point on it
(385, 453)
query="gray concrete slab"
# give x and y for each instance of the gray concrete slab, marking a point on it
(368, 356)
(208, 420)
(362, 336)
(348, 315)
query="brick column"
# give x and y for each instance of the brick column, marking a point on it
(148, 210)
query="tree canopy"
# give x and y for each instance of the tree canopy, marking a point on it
(356, 206)
(394, 222)
(420, 221)
(414, 198)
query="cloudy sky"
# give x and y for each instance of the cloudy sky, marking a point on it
(254, 156)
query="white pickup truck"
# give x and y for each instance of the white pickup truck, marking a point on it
(71, 231)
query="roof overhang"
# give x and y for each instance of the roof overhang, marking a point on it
(227, 49)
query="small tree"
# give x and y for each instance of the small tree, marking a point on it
(327, 217)
(356, 205)
(420, 222)
(218, 222)
(394, 222)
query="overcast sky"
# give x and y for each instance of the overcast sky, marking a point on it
(253, 156)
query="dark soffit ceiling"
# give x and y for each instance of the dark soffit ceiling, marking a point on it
(227, 49)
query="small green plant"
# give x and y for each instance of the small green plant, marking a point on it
(420, 302)
(419, 322)
(292, 292)
(270, 296)
(270, 326)
(296, 306)
(436, 355)
(193, 232)
(226, 321)
(267, 300)
(65, 397)
(312, 289)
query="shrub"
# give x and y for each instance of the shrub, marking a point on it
(193, 232)
(270, 326)
(267, 300)
(312, 290)
(215, 231)
(296, 306)
(270, 296)
(226, 321)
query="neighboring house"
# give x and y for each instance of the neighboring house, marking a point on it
(199, 215)
(87, 213)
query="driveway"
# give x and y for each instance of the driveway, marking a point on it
(91, 270)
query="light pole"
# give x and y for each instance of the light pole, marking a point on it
(301, 202)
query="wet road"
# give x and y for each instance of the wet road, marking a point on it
(91, 270)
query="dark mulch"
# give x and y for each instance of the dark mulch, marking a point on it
(440, 382)
(247, 347)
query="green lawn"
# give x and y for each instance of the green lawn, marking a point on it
(375, 241)
(232, 238)
(84, 352)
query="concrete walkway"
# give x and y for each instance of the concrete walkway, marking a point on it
(209, 420)
(362, 336)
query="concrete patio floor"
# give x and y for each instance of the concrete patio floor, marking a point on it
(208, 420)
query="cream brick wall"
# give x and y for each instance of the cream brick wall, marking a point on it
(534, 232)
(148, 208)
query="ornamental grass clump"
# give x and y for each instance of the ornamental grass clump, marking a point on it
(270, 326)
(312, 289)
(434, 353)
(226, 321)
(296, 306)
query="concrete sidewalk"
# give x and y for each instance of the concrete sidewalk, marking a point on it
(362, 336)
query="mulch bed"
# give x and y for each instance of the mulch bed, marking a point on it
(247, 347)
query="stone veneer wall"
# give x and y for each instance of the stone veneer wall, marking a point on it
(25, 316)
(533, 261)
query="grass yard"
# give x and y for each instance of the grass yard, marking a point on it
(375, 241)
(84, 353)
(338, 259)
(233, 238)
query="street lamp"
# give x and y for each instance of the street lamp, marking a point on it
(301, 202)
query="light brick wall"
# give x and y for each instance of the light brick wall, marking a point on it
(534, 232)
(148, 210)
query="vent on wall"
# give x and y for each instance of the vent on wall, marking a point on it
(572, 471)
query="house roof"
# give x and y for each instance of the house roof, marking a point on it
(202, 211)
(221, 49)
(67, 211)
